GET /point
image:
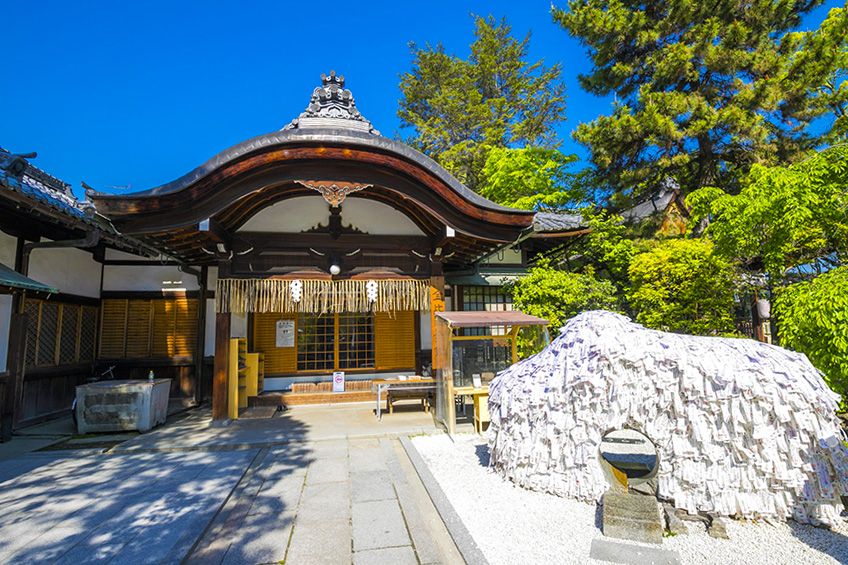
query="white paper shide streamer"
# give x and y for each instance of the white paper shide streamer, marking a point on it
(743, 428)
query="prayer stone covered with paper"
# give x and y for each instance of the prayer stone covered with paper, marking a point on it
(742, 428)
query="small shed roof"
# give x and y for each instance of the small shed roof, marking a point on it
(485, 318)
(11, 279)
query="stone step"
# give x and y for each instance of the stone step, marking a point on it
(299, 399)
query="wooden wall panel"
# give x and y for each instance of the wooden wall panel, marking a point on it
(278, 360)
(113, 328)
(394, 340)
(139, 314)
(148, 328)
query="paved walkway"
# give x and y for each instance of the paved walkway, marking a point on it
(294, 488)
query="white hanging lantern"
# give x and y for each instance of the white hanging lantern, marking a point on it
(371, 291)
(296, 290)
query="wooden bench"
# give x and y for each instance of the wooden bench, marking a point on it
(425, 393)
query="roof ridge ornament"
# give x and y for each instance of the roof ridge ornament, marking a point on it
(332, 106)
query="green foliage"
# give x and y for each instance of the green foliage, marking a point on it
(607, 246)
(812, 317)
(783, 217)
(558, 295)
(705, 90)
(461, 109)
(683, 286)
(530, 178)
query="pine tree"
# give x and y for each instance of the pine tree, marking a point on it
(459, 109)
(704, 90)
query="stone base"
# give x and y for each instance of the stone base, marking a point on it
(632, 516)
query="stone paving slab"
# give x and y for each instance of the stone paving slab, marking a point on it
(378, 524)
(368, 486)
(631, 554)
(244, 494)
(387, 556)
(138, 507)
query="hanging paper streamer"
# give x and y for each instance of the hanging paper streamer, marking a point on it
(371, 289)
(742, 428)
(296, 289)
(321, 296)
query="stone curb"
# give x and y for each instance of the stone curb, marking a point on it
(456, 528)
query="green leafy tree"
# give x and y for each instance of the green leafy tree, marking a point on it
(785, 220)
(683, 286)
(607, 246)
(530, 178)
(460, 109)
(705, 90)
(558, 295)
(812, 317)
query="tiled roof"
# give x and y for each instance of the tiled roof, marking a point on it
(659, 202)
(18, 175)
(544, 222)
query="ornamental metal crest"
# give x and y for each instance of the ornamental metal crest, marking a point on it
(333, 192)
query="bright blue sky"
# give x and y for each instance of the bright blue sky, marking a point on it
(139, 93)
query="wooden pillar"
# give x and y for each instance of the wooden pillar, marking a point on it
(437, 304)
(15, 382)
(221, 368)
(200, 342)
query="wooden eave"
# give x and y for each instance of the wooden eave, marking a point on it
(240, 182)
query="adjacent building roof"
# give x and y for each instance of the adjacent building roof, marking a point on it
(21, 176)
(468, 319)
(13, 280)
(667, 193)
(51, 204)
(551, 222)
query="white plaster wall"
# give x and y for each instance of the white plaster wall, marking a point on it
(211, 278)
(238, 325)
(72, 271)
(7, 257)
(425, 330)
(147, 277)
(508, 256)
(5, 322)
(299, 214)
(8, 245)
(115, 255)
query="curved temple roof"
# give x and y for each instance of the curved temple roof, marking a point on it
(329, 141)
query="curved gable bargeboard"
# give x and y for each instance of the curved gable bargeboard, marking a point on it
(303, 213)
(290, 156)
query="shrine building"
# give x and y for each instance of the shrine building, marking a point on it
(323, 246)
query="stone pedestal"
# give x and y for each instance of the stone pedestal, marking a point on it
(632, 516)
(113, 406)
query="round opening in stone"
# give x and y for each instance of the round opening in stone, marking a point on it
(630, 452)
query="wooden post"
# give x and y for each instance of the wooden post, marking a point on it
(15, 382)
(437, 304)
(222, 361)
(200, 342)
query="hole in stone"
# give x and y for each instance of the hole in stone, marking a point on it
(632, 453)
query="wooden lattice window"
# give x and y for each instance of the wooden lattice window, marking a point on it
(356, 341)
(316, 336)
(59, 333)
(489, 299)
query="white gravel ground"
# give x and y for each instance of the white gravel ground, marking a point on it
(515, 526)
